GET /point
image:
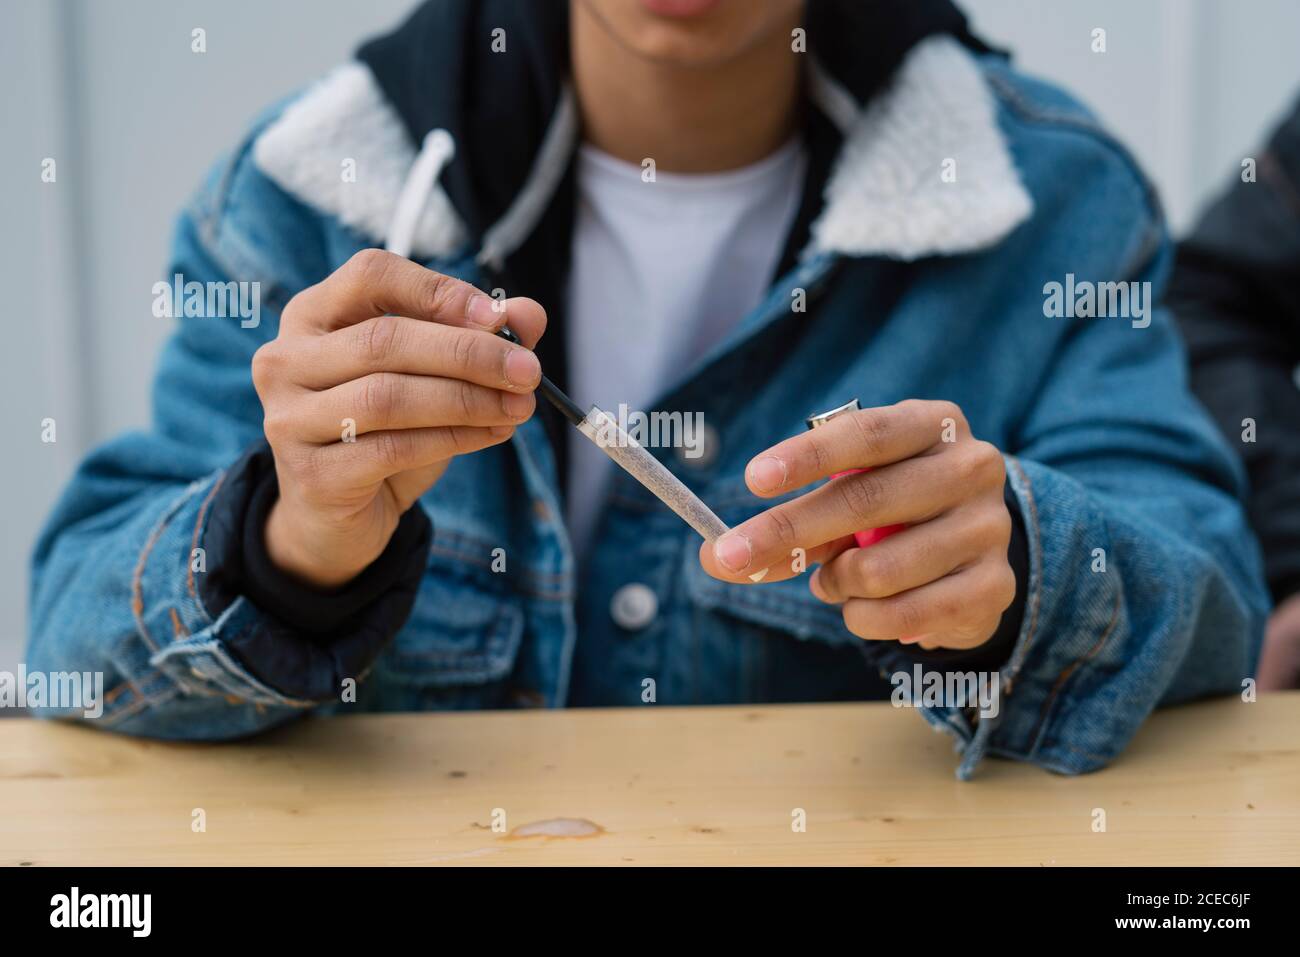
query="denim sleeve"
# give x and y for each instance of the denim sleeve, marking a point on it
(126, 569)
(1145, 585)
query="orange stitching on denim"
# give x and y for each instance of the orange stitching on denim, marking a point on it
(127, 685)
(198, 527)
(1073, 667)
(137, 586)
(136, 707)
(1037, 535)
(179, 630)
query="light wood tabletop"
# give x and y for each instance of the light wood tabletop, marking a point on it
(1213, 783)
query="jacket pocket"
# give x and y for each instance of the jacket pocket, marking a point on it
(786, 606)
(795, 647)
(465, 629)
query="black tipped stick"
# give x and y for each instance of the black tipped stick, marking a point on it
(549, 390)
(633, 459)
(554, 395)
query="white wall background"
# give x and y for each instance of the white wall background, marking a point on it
(112, 91)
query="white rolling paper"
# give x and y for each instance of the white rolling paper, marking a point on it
(603, 429)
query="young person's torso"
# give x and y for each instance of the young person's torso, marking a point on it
(663, 265)
(910, 285)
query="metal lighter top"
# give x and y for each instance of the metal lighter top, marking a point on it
(815, 421)
(867, 536)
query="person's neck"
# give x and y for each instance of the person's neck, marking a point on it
(687, 119)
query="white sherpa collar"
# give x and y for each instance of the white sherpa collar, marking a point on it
(886, 196)
(345, 117)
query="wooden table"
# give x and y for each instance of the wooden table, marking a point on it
(1213, 783)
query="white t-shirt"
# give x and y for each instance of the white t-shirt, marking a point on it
(661, 271)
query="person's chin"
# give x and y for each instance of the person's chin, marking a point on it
(686, 32)
(679, 9)
(691, 33)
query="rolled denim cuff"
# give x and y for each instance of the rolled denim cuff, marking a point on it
(300, 641)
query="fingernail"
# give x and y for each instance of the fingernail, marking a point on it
(481, 312)
(768, 473)
(815, 585)
(733, 552)
(516, 404)
(522, 368)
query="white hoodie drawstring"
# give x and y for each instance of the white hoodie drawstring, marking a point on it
(435, 153)
(526, 209)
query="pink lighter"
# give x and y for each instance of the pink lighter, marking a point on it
(868, 536)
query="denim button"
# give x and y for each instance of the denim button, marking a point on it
(704, 450)
(633, 606)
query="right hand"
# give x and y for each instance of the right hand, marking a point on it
(409, 356)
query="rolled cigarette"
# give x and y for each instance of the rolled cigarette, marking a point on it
(603, 429)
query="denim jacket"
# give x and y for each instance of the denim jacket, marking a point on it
(959, 196)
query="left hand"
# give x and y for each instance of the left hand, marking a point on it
(1279, 662)
(943, 582)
